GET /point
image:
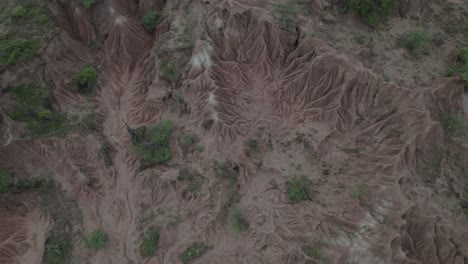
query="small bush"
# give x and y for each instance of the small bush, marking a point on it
(194, 251)
(149, 247)
(19, 12)
(287, 16)
(188, 142)
(150, 21)
(88, 3)
(5, 182)
(237, 221)
(97, 240)
(253, 146)
(106, 153)
(371, 12)
(58, 248)
(228, 172)
(461, 67)
(85, 82)
(193, 178)
(452, 123)
(152, 143)
(169, 69)
(418, 42)
(15, 50)
(299, 189)
(359, 190)
(315, 252)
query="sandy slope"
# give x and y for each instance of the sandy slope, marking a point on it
(252, 80)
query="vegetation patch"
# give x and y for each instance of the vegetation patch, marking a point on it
(31, 11)
(106, 153)
(193, 252)
(67, 216)
(228, 172)
(461, 67)
(89, 3)
(287, 15)
(151, 20)
(359, 190)
(86, 80)
(371, 12)
(299, 189)
(152, 143)
(193, 179)
(169, 70)
(452, 123)
(149, 247)
(417, 41)
(315, 252)
(188, 142)
(15, 50)
(237, 222)
(34, 107)
(253, 147)
(97, 240)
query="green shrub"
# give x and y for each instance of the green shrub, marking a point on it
(150, 21)
(15, 50)
(188, 142)
(299, 189)
(88, 3)
(315, 252)
(19, 12)
(227, 171)
(237, 221)
(194, 251)
(85, 82)
(253, 146)
(287, 16)
(193, 178)
(371, 11)
(106, 153)
(5, 182)
(461, 67)
(152, 143)
(452, 123)
(418, 42)
(169, 69)
(149, 247)
(58, 248)
(97, 240)
(359, 190)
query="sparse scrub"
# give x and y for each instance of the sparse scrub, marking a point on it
(88, 3)
(194, 251)
(287, 15)
(461, 67)
(417, 41)
(188, 142)
(97, 240)
(30, 11)
(149, 247)
(315, 252)
(299, 189)
(169, 70)
(5, 182)
(193, 178)
(237, 221)
(151, 20)
(58, 248)
(106, 153)
(452, 123)
(359, 190)
(152, 143)
(86, 80)
(371, 12)
(228, 172)
(34, 107)
(15, 50)
(253, 146)
(19, 12)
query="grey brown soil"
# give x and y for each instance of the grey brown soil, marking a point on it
(361, 122)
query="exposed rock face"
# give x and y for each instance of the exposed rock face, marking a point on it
(319, 109)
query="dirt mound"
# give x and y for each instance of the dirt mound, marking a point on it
(367, 146)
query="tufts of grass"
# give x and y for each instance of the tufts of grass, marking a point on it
(97, 240)
(169, 70)
(315, 252)
(152, 143)
(188, 142)
(150, 245)
(34, 107)
(16, 50)
(237, 222)
(452, 123)
(371, 12)
(193, 252)
(151, 20)
(417, 41)
(461, 67)
(194, 180)
(299, 189)
(88, 3)
(359, 190)
(86, 80)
